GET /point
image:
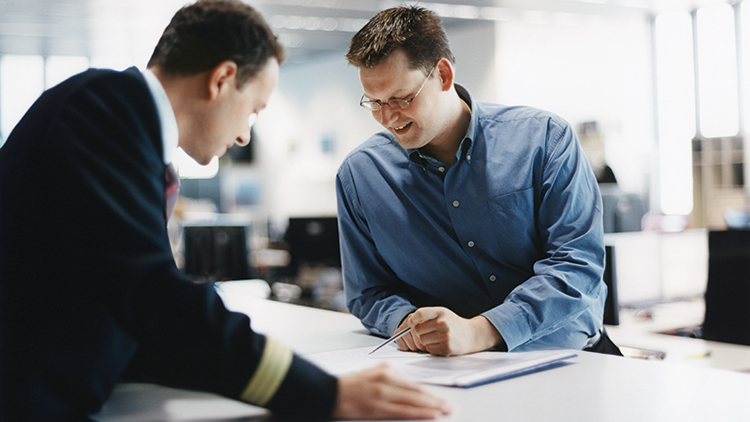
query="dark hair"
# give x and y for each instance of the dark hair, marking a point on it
(208, 32)
(415, 30)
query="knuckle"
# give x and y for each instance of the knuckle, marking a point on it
(378, 390)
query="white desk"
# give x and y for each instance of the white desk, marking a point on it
(641, 329)
(590, 387)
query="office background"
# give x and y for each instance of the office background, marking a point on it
(657, 89)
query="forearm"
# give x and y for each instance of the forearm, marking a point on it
(559, 320)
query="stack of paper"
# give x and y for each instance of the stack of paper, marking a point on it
(457, 371)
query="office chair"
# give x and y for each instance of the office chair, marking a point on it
(611, 306)
(727, 316)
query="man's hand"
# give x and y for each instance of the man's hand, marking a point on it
(377, 393)
(441, 332)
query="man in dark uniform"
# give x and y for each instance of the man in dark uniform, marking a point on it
(89, 290)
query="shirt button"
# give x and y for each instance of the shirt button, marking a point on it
(493, 278)
(468, 157)
(471, 243)
(455, 204)
(441, 168)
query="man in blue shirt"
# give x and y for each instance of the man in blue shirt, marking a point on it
(478, 225)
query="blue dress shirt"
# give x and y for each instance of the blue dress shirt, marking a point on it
(511, 230)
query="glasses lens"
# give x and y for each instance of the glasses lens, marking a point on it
(370, 105)
(398, 104)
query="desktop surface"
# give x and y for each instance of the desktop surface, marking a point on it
(589, 387)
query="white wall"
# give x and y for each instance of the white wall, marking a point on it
(598, 70)
(474, 48)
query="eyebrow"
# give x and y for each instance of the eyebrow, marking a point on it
(393, 97)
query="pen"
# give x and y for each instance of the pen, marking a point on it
(393, 338)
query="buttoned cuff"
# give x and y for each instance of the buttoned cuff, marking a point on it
(396, 317)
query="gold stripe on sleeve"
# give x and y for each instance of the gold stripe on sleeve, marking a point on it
(269, 374)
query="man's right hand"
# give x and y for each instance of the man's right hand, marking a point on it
(378, 393)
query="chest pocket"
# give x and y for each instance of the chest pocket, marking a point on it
(514, 224)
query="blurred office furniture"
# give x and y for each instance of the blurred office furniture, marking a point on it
(622, 211)
(611, 305)
(591, 138)
(242, 289)
(718, 179)
(315, 261)
(612, 310)
(727, 316)
(313, 241)
(216, 252)
(656, 267)
(737, 218)
(203, 189)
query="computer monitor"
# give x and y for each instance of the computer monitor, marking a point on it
(727, 315)
(216, 252)
(611, 305)
(313, 241)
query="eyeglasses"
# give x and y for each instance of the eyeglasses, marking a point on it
(396, 103)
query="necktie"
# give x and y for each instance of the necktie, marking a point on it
(171, 190)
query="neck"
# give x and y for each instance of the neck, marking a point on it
(445, 146)
(185, 94)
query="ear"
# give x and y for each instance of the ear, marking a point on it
(222, 77)
(446, 73)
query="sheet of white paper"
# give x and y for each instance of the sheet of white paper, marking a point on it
(461, 371)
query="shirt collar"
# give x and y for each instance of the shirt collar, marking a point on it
(169, 134)
(466, 145)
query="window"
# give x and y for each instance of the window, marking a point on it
(717, 71)
(60, 68)
(675, 96)
(21, 83)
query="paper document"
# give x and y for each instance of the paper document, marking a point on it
(455, 371)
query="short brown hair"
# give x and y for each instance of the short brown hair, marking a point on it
(208, 32)
(416, 31)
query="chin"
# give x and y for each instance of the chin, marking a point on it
(204, 161)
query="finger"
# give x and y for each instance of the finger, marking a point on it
(417, 341)
(379, 393)
(439, 349)
(409, 342)
(404, 323)
(410, 410)
(407, 392)
(401, 343)
(411, 403)
(424, 314)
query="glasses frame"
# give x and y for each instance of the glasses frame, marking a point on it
(396, 103)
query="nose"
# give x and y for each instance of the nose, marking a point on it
(243, 140)
(386, 115)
